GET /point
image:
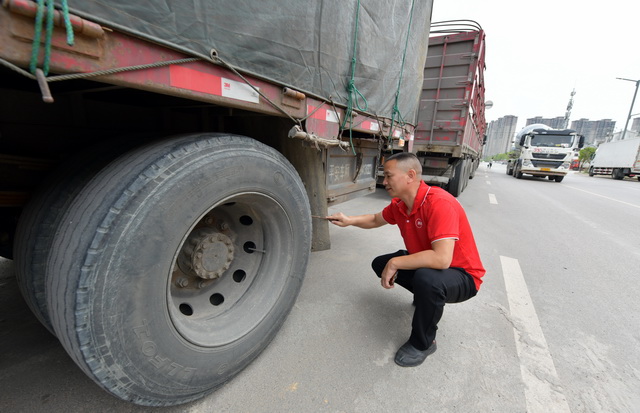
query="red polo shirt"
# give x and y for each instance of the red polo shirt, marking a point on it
(437, 215)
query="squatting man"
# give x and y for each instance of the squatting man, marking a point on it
(441, 263)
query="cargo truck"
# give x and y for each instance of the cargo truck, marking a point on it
(161, 162)
(617, 159)
(451, 125)
(544, 152)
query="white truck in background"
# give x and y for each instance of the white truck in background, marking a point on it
(543, 151)
(618, 159)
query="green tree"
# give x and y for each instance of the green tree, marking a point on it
(504, 156)
(586, 154)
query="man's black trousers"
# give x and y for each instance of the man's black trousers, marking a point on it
(431, 290)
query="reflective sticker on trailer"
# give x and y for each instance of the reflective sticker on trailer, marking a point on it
(185, 78)
(332, 116)
(239, 90)
(372, 126)
(328, 115)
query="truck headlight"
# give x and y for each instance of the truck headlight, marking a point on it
(565, 165)
(526, 162)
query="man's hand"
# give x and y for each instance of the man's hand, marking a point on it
(361, 221)
(339, 219)
(389, 275)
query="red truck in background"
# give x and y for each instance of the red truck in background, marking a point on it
(160, 162)
(451, 125)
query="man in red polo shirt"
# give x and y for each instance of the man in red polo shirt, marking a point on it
(441, 263)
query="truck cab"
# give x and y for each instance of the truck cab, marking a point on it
(546, 152)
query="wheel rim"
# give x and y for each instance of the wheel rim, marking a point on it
(242, 246)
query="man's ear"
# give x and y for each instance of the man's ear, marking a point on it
(411, 173)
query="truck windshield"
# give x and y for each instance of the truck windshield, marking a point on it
(554, 141)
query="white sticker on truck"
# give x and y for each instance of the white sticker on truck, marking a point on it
(239, 90)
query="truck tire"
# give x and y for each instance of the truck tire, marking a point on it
(516, 172)
(41, 217)
(176, 265)
(558, 178)
(474, 167)
(467, 172)
(457, 182)
(591, 173)
(509, 169)
(617, 174)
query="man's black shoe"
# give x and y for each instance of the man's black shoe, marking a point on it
(409, 356)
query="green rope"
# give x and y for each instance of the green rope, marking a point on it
(37, 35)
(396, 110)
(48, 35)
(67, 22)
(354, 97)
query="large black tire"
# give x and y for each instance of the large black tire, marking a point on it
(591, 173)
(177, 264)
(41, 218)
(467, 172)
(458, 180)
(617, 174)
(516, 172)
(474, 167)
(558, 178)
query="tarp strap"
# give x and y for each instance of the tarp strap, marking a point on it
(353, 94)
(396, 110)
(40, 16)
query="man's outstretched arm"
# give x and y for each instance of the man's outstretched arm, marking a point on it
(367, 221)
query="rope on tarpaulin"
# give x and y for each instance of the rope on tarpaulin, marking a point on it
(396, 110)
(46, 10)
(354, 95)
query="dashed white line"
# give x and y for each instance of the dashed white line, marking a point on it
(492, 199)
(543, 392)
(488, 182)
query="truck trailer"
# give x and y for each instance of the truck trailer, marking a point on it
(544, 152)
(617, 159)
(161, 162)
(451, 125)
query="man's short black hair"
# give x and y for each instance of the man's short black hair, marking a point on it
(407, 160)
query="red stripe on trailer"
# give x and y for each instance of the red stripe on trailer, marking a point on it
(185, 78)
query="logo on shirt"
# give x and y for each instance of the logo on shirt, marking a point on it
(419, 223)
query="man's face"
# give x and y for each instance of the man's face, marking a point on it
(395, 179)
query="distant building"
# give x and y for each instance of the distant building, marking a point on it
(616, 136)
(500, 133)
(555, 123)
(594, 131)
(635, 125)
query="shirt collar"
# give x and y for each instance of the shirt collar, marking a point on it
(421, 197)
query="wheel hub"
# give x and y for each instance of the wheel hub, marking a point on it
(207, 254)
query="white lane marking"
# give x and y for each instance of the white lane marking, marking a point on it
(492, 199)
(543, 392)
(602, 196)
(488, 182)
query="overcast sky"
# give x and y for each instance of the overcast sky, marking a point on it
(539, 51)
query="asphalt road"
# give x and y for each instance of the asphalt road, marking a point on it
(554, 327)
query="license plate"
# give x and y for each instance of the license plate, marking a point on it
(545, 169)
